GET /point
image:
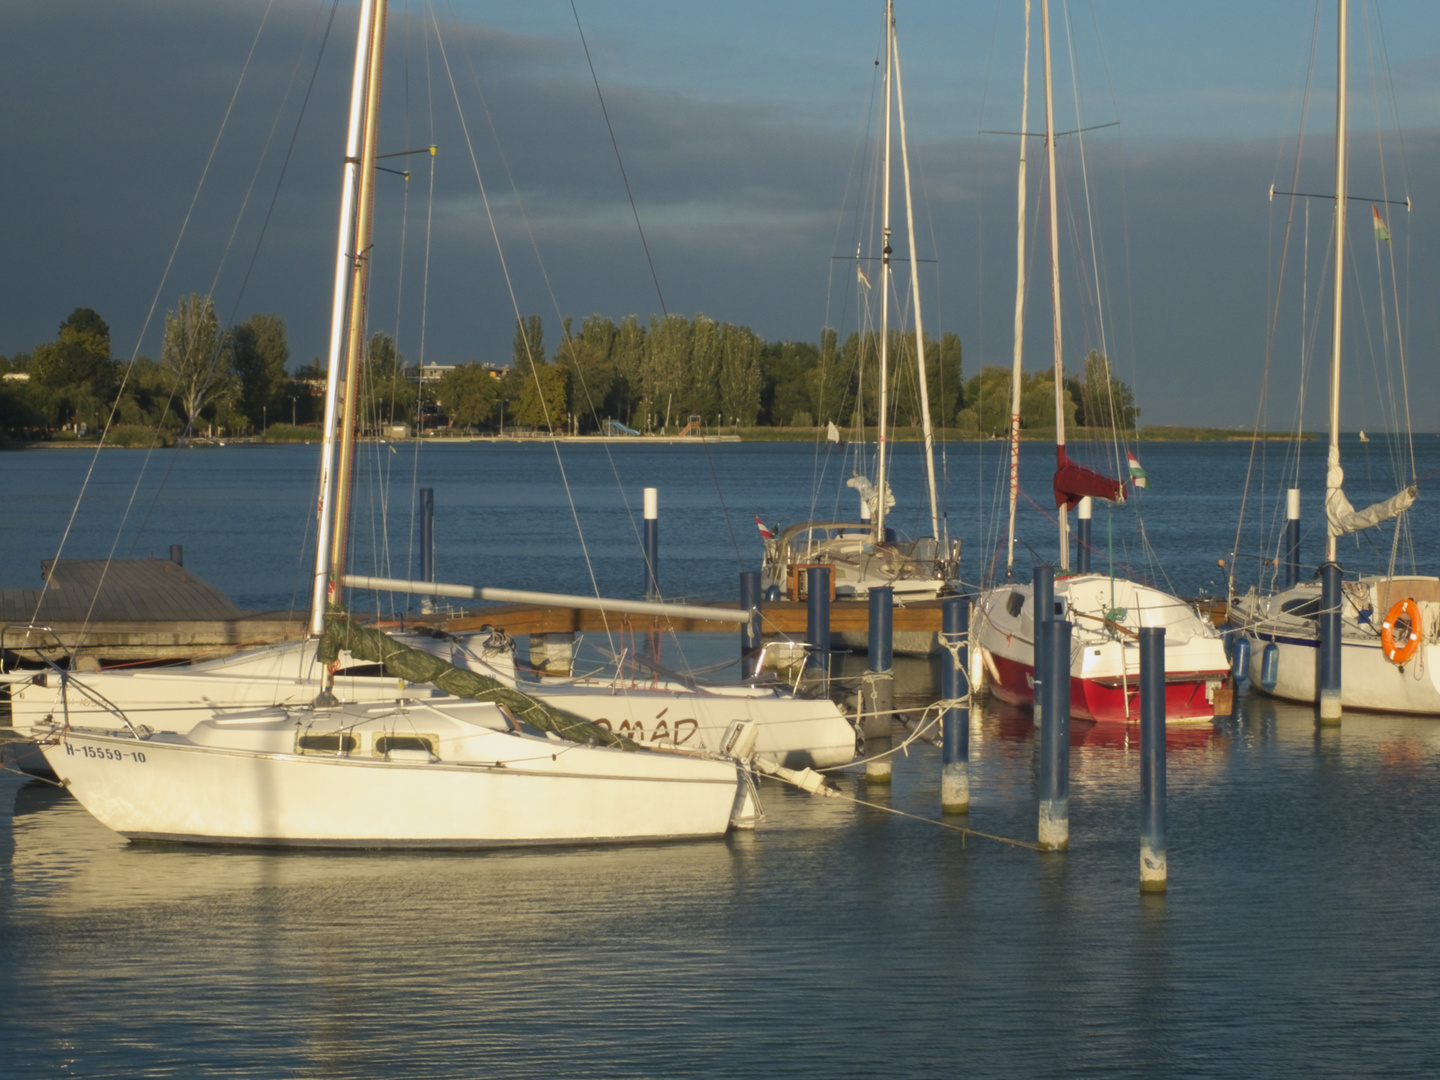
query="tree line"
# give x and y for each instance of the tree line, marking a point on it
(648, 377)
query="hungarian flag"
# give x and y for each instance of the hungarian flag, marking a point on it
(860, 277)
(1137, 474)
(765, 533)
(1381, 232)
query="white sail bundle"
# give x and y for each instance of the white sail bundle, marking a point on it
(1344, 518)
(870, 496)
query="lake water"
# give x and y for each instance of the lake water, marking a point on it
(1297, 938)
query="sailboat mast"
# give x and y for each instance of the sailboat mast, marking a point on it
(884, 281)
(325, 519)
(924, 381)
(359, 277)
(1019, 301)
(1062, 514)
(1331, 539)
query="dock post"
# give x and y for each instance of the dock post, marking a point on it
(1082, 535)
(1152, 759)
(1055, 738)
(955, 724)
(817, 620)
(1292, 538)
(427, 544)
(652, 543)
(177, 554)
(750, 601)
(1329, 666)
(877, 698)
(1043, 608)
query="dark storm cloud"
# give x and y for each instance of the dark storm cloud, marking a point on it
(111, 111)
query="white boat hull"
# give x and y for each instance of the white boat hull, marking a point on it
(245, 780)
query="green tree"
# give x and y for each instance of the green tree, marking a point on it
(386, 392)
(1107, 402)
(195, 357)
(74, 378)
(529, 346)
(740, 375)
(467, 395)
(542, 394)
(260, 355)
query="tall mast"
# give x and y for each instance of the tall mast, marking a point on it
(925, 423)
(884, 281)
(359, 277)
(1062, 514)
(1019, 301)
(325, 519)
(1331, 540)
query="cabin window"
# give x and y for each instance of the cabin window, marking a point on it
(385, 745)
(361, 670)
(326, 743)
(1303, 608)
(1015, 604)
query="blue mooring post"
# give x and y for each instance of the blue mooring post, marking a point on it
(877, 696)
(1152, 759)
(1330, 675)
(1292, 537)
(750, 601)
(1043, 596)
(817, 619)
(1055, 738)
(955, 724)
(1082, 535)
(652, 544)
(427, 534)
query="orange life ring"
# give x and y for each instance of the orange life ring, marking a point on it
(1401, 651)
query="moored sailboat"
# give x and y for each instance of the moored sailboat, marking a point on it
(1106, 611)
(1385, 650)
(410, 771)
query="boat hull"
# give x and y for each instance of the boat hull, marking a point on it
(1188, 697)
(166, 787)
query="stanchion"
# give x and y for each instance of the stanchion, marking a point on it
(1152, 759)
(817, 622)
(955, 724)
(877, 698)
(1055, 738)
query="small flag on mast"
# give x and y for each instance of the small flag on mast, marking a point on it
(860, 276)
(1381, 232)
(765, 534)
(1137, 474)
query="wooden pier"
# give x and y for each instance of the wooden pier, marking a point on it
(128, 611)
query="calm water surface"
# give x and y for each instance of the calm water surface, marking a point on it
(1298, 937)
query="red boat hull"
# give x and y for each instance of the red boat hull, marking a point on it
(1108, 701)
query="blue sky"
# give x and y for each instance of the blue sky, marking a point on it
(739, 123)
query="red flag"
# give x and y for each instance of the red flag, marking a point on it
(764, 532)
(1073, 482)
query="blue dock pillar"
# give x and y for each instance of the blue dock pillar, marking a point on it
(1330, 676)
(427, 534)
(877, 698)
(652, 544)
(1082, 535)
(817, 620)
(1055, 738)
(1292, 537)
(1152, 759)
(750, 601)
(955, 724)
(1043, 596)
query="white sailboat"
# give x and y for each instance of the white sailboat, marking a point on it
(792, 731)
(864, 555)
(1389, 624)
(413, 771)
(1105, 611)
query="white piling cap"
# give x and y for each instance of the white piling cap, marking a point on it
(1087, 507)
(1292, 504)
(652, 504)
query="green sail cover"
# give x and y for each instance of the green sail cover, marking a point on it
(417, 666)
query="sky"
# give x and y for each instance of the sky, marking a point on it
(145, 142)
